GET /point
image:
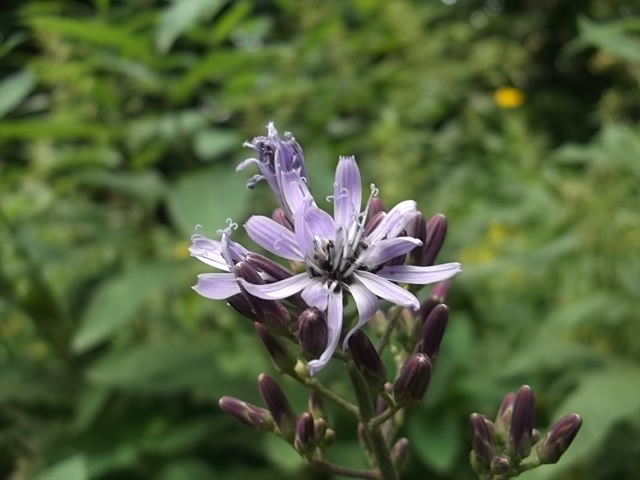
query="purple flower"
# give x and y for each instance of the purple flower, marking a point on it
(223, 255)
(339, 257)
(275, 156)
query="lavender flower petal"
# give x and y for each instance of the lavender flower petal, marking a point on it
(278, 290)
(393, 222)
(294, 190)
(420, 275)
(347, 191)
(217, 286)
(389, 248)
(334, 324)
(387, 290)
(208, 251)
(316, 294)
(320, 223)
(366, 303)
(273, 237)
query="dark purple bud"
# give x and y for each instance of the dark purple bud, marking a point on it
(503, 419)
(312, 333)
(374, 221)
(412, 383)
(400, 453)
(522, 422)
(240, 303)
(558, 440)
(278, 405)
(282, 358)
(280, 217)
(441, 290)
(417, 228)
(433, 331)
(376, 206)
(270, 312)
(267, 266)
(257, 418)
(305, 441)
(436, 233)
(367, 360)
(482, 430)
(500, 465)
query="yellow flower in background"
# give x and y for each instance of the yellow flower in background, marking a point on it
(508, 97)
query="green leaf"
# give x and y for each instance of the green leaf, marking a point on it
(74, 468)
(187, 469)
(14, 89)
(213, 142)
(95, 33)
(602, 399)
(435, 441)
(174, 365)
(610, 37)
(282, 454)
(208, 198)
(118, 299)
(180, 16)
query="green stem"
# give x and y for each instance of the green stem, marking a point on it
(391, 325)
(376, 422)
(328, 394)
(344, 471)
(379, 447)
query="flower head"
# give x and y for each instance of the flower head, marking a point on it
(339, 256)
(275, 156)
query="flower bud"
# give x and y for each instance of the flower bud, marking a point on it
(278, 405)
(535, 436)
(374, 221)
(257, 418)
(312, 332)
(280, 217)
(376, 206)
(436, 233)
(282, 358)
(367, 360)
(240, 303)
(400, 453)
(503, 419)
(412, 383)
(316, 404)
(433, 331)
(482, 438)
(558, 440)
(417, 228)
(500, 465)
(274, 271)
(305, 440)
(270, 312)
(320, 427)
(522, 422)
(329, 438)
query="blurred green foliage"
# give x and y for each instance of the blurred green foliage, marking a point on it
(120, 127)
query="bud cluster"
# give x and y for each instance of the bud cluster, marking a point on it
(504, 448)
